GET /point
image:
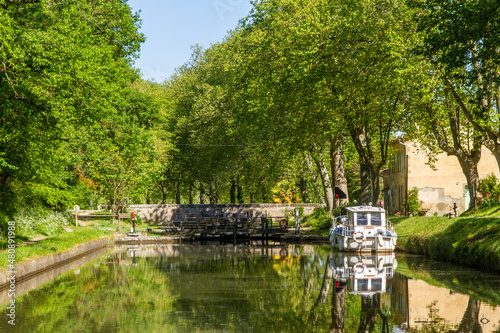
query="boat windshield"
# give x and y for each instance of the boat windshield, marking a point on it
(376, 219)
(362, 219)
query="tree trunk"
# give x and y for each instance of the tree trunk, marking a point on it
(232, 191)
(468, 156)
(239, 191)
(202, 194)
(177, 191)
(338, 167)
(214, 193)
(369, 166)
(471, 173)
(338, 310)
(303, 186)
(191, 191)
(327, 185)
(370, 307)
(164, 190)
(211, 194)
(470, 320)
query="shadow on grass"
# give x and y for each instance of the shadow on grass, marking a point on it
(469, 241)
(397, 219)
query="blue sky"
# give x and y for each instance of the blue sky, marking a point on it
(173, 26)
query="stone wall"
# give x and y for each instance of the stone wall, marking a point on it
(165, 214)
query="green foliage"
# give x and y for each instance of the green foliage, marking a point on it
(31, 222)
(320, 219)
(65, 81)
(465, 240)
(215, 294)
(490, 189)
(414, 204)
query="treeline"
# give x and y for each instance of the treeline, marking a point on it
(301, 97)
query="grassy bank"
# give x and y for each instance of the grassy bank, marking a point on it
(65, 240)
(468, 240)
(53, 244)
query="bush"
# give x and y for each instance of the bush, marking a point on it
(490, 189)
(37, 221)
(319, 219)
(414, 205)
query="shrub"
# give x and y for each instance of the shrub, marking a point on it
(414, 205)
(490, 189)
(37, 221)
(319, 219)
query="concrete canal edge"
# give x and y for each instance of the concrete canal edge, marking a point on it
(34, 266)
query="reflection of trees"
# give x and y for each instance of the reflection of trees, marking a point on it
(325, 286)
(338, 309)
(470, 320)
(370, 309)
(251, 294)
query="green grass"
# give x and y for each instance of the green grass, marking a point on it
(472, 239)
(95, 229)
(53, 244)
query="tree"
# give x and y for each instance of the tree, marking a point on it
(461, 37)
(440, 117)
(64, 68)
(333, 69)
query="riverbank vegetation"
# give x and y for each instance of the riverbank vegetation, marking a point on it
(467, 240)
(299, 98)
(50, 245)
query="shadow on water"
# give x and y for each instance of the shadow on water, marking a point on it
(253, 288)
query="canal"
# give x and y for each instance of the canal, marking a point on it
(257, 288)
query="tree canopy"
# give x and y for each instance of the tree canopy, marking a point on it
(300, 97)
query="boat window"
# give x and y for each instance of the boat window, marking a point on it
(376, 219)
(349, 218)
(362, 284)
(362, 219)
(376, 284)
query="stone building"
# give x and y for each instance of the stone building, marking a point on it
(442, 188)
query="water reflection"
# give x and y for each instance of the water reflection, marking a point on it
(402, 302)
(217, 288)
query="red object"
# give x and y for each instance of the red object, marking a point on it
(284, 224)
(133, 215)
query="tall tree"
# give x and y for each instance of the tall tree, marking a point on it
(64, 66)
(462, 38)
(334, 68)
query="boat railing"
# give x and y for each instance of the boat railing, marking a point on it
(349, 231)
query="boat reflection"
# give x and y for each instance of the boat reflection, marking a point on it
(390, 301)
(367, 274)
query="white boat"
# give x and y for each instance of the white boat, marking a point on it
(365, 275)
(363, 229)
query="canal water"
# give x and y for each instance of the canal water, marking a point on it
(259, 288)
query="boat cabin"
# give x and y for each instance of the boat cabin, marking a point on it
(365, 216)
